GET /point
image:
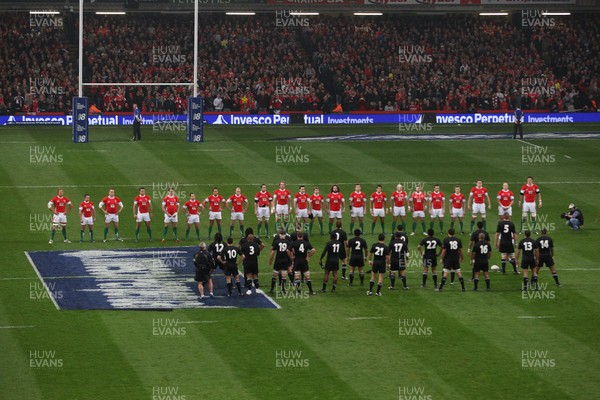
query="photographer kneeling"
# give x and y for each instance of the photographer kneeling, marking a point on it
(574, 217)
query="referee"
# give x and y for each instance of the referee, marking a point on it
(137, 121)
(518, 123)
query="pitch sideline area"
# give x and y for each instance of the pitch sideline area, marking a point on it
(131, 279)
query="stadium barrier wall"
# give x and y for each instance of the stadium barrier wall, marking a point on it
(310, 119)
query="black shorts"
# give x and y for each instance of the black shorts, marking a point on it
(357, 262)
(506, 248)
(481, 266)
(202, 275)
(430, 262)
(301, 265)
(343, 253)
(547, 261)
(231, 270)
(332, 265)
(528, 263)
(378, 268)
(451, 264)
(397, 265)
(251, 269)
(281, 265)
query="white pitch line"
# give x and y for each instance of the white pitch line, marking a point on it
(17, 327)
(42, 280)
(198, 322)
(568, 156)
(527, 143)
(535, 317)
(363, 318)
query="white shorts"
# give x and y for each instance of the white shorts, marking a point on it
(212, 215)
(437, 212)
(263, 212)
(237, 216)
(111, 218)
(302, 212)
(399, 211)
(87, 220)
(457, 212)
(529, 207)
(193, 218)
(502, 210)
(479, 208)
(59, 219)
(446, 270)
(357, 212)
(317, 213)
(142, 217)
(172, 218)
(418, 214)
(378, 212)
(335, 214)
(282, 209)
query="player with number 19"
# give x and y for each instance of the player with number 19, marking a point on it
(280, 258)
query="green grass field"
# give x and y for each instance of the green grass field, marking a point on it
(344, 345)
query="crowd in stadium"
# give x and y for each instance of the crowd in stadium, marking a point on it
(466, 63)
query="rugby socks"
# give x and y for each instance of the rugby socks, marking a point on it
(187, 234)
(555, 276)
(91, 235)
(259, 226)
(424, 281)
(297, 283)
(452, 276)
(106, 233)
(423, 226)
(523, 220)
(351, 226)
(513, 262)
(462, 283)
(472, 224)
(475, 283)
(283, 282)
(434, 276)
(324, 287)
(333, 287)
(238, 285)
(443, 282)
(321, 226)
(230, 230)
(117, 232)
(462, 226)
(229, 287)
(209, 231)
(64, 233)
(534, 281)
(197, 233)
(242, 230)
(379, 288)
(165, 229)
(361, 275)
(219, 227)
(393, 279)
(431, 225)
(273, 283)
(175, 233)
(137, 234)
(452, 224)
(534, 224)
(484, 224)
(441, 226)
(503, 266)
(309, 284)
(362, 227)
(52, 233)
(351, 276)
(393, 227)
(403, 279)
(371, 284)
(414, 227)
(487, 283)
(344, 271)
(525, 282)
(383, 227)
(291, 276)
(256, 283)
(248, 283)
(267, 228)
(81, 235)
(330, 226)
(404, 226)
